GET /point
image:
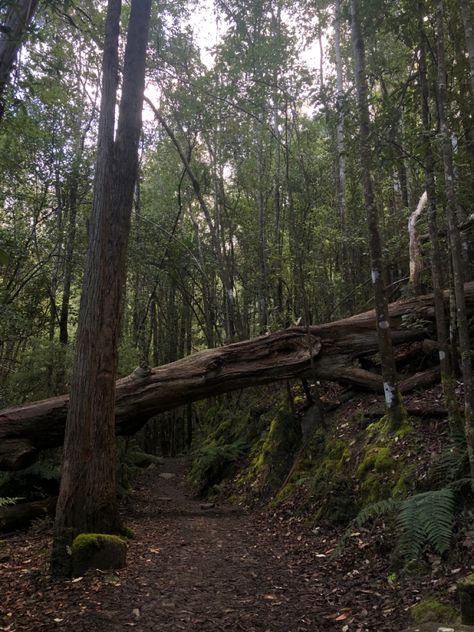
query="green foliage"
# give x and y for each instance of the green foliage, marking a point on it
(226, 432)
(38, 481)
(5, 502)
(426, 517)
(273, 454)
(453, 462)
(131, 460)
(212, 463)
(421, 519)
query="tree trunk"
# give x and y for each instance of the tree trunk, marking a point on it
(447, 378)
(326, 352)
(12, 34)
(468, 36)
(416, 254)
(340, 142)
(455, 240)
(87, 498)
(392, 397)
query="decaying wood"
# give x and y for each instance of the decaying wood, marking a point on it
(327, 351)
(416, 255)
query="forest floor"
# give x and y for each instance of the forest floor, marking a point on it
(200, 567)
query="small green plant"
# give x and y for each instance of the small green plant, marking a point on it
(421, 519)
(5, 502)
(211, 464)
(453, 462)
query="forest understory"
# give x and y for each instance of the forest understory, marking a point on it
(254, 550)
(185, 351)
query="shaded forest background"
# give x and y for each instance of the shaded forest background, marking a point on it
(272, 194)
(249, 211)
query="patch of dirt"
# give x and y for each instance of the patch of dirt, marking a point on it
(203, 567)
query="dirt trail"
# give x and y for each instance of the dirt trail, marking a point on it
(196, 568)
(202, 568)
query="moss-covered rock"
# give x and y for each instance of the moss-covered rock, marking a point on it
(432, 609)
(97, 550)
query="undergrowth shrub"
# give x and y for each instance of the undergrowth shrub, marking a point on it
(38, 481)
(213, 463)
(225, 434)
(131, 460)
(426, 518)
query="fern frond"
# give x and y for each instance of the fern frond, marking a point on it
(375, 510)
(423, 518)
(5, 501)
(437, 518)
(453, 461)
(412, 536)
(426, 517)
(365, 515)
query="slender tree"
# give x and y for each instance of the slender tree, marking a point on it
(12, 33)
(455, 238)
(436, 255)
(392, 396)
(466, 8)
(87, 499)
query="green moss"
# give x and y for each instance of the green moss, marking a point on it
(143, 459)
(97, 550)
(431, 609)
(332, 488)
(400, 489)
(467, 581)
(125, 532)
(383, 429)
(376, 458)
(274, 454)
(373, 488)
(405, 429)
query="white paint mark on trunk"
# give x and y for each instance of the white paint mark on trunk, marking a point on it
(389, 393)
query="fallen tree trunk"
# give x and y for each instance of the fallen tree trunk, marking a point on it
(325, 352)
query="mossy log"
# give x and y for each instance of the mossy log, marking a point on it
(329, 351)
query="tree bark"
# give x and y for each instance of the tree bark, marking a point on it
(87, 499)
(455, 240)
(12, 34)
(469, 37)
(392, 397)
(445, 361)
(340, 142)
(416, 255)
(326, 352)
